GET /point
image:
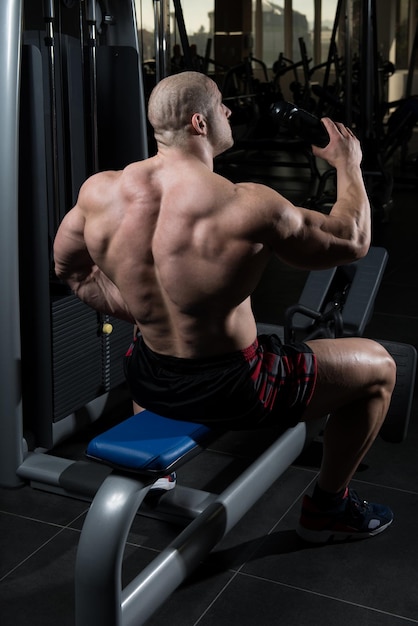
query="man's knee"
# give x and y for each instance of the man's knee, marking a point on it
(385, 364)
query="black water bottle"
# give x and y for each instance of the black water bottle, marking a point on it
(301, 123)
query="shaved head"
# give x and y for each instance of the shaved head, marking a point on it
(175, 99)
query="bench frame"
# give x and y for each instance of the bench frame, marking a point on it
(100, 598)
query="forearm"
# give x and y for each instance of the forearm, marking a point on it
(352, 208)
(100, 293)
(350, 216)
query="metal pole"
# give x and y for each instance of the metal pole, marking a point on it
(331, 53)
(142, 104)
(348, 64)
(92, 43)
(411, 69)
(49, 17)
(368, 71)
(183, 34)
(317, 52)
(161, 38)
(11, 440)
(288, 29)
(259, 29)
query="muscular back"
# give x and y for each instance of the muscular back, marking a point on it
(178, 242)
(169, 245)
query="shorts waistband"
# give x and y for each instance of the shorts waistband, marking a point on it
(219, 359)
(250, 352)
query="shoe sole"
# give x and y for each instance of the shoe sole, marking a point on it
(329, 536)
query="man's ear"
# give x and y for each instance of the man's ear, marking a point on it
(199, 124)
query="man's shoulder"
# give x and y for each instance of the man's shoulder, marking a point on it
(100, 179)
(257, 194)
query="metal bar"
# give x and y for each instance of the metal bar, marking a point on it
(161, 38)
(100, 551)
(317, 32)
(143, 139)
(183, 34)
(368, 61)
(348, 101)
(50, 42)
(259, 51)
(288, 28)
(411, 68)
(92, 43)
(11, 442)
(331, 53)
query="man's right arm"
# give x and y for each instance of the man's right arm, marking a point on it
(312, 240)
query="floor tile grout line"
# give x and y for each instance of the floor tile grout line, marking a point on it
(382, 486)
(39, 521)
(215, 599)
(404, 316)
(328, 597)
(32, 554)
(30, 519)
(259, 545)
(292, 505)
(61, 528)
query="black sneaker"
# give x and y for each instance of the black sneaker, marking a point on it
(355, 519)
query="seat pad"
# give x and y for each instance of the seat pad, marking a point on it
(147, 442)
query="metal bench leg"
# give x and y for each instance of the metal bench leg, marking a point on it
(100, 550)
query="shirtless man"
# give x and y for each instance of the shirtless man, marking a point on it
(177, 250)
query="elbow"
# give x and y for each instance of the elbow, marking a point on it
(360, 245)
(363, 250)
(67, 278)
(354, 253)
(61, 271)
(351, 250)
(356, 243)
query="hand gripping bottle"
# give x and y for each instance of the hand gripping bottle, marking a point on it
(300, 122)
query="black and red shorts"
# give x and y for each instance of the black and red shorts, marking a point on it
(267, 384)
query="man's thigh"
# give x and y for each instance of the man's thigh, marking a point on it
(347, 369)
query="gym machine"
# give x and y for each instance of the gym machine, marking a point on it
(70, 61)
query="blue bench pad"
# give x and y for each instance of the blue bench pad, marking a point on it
(147, 442)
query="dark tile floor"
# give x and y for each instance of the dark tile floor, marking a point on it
(260, 573)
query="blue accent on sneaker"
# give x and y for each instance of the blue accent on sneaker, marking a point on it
(357, 520)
